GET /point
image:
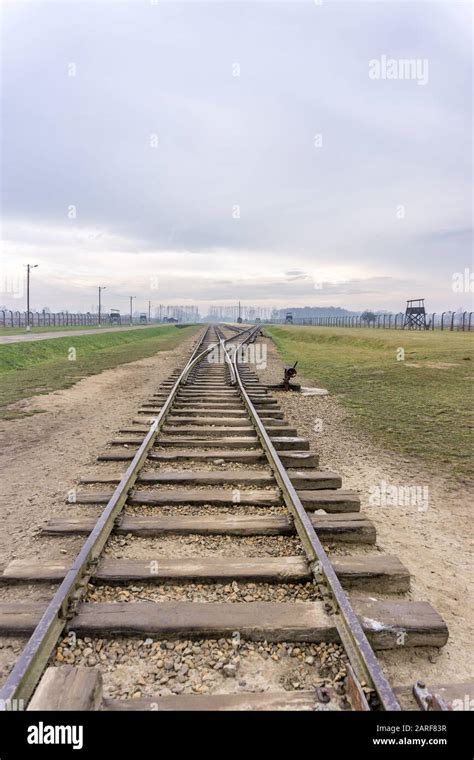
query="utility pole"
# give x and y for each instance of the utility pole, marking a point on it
(131, 314)
(149, 310)
(101, 287)
(28, 267)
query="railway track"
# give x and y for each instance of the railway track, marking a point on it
(203, 578)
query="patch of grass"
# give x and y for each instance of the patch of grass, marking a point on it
(425, 409)
(38, 367)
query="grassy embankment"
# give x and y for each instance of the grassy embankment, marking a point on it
(31, 368)
(422, 405)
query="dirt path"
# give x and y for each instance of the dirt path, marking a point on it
(26, 337)
(433, 539)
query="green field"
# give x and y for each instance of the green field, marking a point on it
(422, 405)
(35, 367)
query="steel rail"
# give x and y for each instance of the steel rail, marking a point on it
(27, 670)
(227, 357)
(222, 341)
(358, 649)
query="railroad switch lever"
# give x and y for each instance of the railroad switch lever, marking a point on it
(289, 373)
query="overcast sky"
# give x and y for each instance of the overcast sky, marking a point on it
(210, 152)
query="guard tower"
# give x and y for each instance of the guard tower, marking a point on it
(115, 318)
(415, 315)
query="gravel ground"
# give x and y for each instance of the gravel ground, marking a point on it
(205, 592)
(154, 487)
(144, 488)
(185, 447)
(188, 509)
(131, 547)
(132, 668)
(10, 648)
(28, 592)
(213, 466)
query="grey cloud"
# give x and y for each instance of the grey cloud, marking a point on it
(246, 141)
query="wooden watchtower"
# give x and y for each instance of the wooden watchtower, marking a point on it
(415, 315)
